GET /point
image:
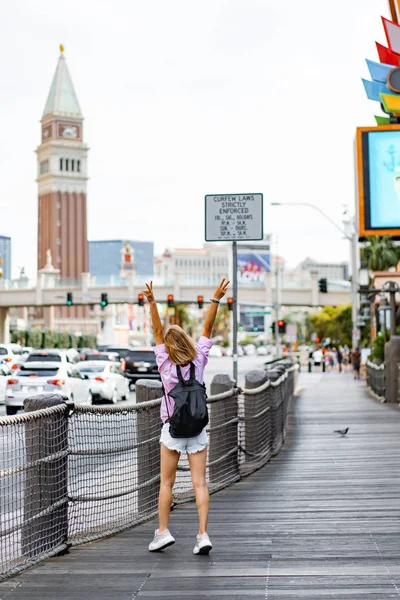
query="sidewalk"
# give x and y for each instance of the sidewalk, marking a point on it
(322, 520)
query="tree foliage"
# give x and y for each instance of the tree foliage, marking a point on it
(333, 322)
(380, 254)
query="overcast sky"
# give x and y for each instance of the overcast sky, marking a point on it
(189, 97)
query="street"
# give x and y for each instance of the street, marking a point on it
(215, 366)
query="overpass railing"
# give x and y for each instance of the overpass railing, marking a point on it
(376, 379)
(71, 474)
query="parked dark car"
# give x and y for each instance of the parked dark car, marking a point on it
(140, 363)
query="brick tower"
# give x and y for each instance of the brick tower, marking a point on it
(62, 177)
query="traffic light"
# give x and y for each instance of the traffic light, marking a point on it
(200, 301)
(70, 299)
(170, 300)
(230, 303)
(282, 326)
(140, 299)
(104, 300)
(323, 285)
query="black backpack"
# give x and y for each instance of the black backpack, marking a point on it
(190, 414)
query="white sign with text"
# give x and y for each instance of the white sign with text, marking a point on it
(231, 217)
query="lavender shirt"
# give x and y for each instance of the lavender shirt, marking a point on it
(169, 376)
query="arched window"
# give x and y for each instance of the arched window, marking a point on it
(61, 164)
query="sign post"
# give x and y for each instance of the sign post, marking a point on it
(233, 218)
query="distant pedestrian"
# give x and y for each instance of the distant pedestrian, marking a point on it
(356, 362)
(339, 357)
(180, 360)
(327, 359)
(346, 359)
(317, 357)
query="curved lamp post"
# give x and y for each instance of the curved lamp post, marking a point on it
(353, 256)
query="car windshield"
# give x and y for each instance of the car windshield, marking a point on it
(92, 369)
(123, 352)
(3, 351)
(44, 357)
(102, 357)
(143, 356)
(37, 371)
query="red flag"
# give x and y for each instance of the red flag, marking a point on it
(387, 57)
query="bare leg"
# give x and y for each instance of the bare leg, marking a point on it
(169, 463)
(197, 463)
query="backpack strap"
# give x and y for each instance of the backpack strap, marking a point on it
(178, 371)
(192, 372)
(192, 376)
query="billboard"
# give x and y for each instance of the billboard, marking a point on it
(378, 165)
(252, 268)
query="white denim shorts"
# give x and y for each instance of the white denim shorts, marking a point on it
(190, 445)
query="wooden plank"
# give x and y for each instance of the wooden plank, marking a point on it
(321, 520)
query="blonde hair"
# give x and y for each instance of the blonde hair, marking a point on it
(179, 346)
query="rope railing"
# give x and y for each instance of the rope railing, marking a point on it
(376, 380)
(69, 475)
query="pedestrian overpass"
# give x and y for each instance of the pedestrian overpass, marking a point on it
(51, 291)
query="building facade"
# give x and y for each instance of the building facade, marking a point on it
(105, 258)
(5, 257)
(332, 271)
(205, 265)
(62, 177)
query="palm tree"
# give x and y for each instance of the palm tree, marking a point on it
(380, 254)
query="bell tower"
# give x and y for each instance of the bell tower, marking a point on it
(61, 178)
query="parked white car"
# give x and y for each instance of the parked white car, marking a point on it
(229, 351)
(262, 351)
(250, 350)
(216, 352)
(70, 356)
(10, 353)
(45, 378)
(106, 381)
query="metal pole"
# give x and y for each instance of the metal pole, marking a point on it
(392, 312)
(235, 319)
(277, 310)
(354, 290)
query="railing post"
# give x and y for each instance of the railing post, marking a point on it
(148, 428)
(392, 359)
(249, 440)
(46, 481)
(222, 439)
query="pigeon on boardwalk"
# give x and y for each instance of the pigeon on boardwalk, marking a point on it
(342, 431)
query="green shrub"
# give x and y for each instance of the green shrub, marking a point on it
(51, 339)
(36, 338)
(64, 340)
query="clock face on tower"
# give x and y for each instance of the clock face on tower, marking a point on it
(46, 132)
(69, 131)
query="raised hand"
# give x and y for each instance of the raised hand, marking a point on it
(221, 289)
(148, 292)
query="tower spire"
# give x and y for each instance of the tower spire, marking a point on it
(62, 100)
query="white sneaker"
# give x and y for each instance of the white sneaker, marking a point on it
(203, 544)
(162, 541)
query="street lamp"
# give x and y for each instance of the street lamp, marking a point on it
(353, 256)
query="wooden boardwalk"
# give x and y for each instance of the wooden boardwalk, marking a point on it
(322, 520)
